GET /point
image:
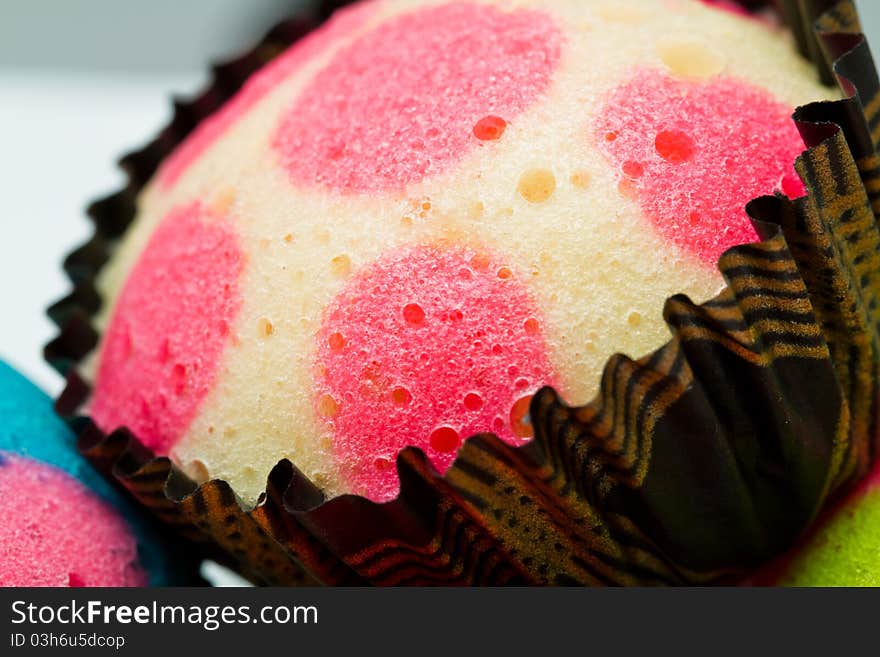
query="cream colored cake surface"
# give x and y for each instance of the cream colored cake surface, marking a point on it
(554, 168)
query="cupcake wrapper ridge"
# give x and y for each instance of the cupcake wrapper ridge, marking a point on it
(697, 463)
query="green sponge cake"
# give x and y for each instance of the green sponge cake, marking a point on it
(844, 549)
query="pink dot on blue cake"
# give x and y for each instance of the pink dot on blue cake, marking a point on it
(63, 524)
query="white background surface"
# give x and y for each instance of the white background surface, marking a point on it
(82, 82)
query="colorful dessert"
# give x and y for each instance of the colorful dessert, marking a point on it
(844, 547)
(62, 523)
(424, 212)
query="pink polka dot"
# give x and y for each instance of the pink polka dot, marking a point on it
(55, 532)
(694, 154)
(344, 22)
(171, 323)
(432, 377)
(400, 103)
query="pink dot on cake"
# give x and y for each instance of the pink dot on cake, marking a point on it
(425, 347)
(398, 104)
(169, 328)
(61, 523)
(688, 152)
(44, 511)
(210, 130)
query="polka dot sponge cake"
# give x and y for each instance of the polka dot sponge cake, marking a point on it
(62, 524)
(425, 211)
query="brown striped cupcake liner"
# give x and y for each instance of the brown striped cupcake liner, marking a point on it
(695, 464)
